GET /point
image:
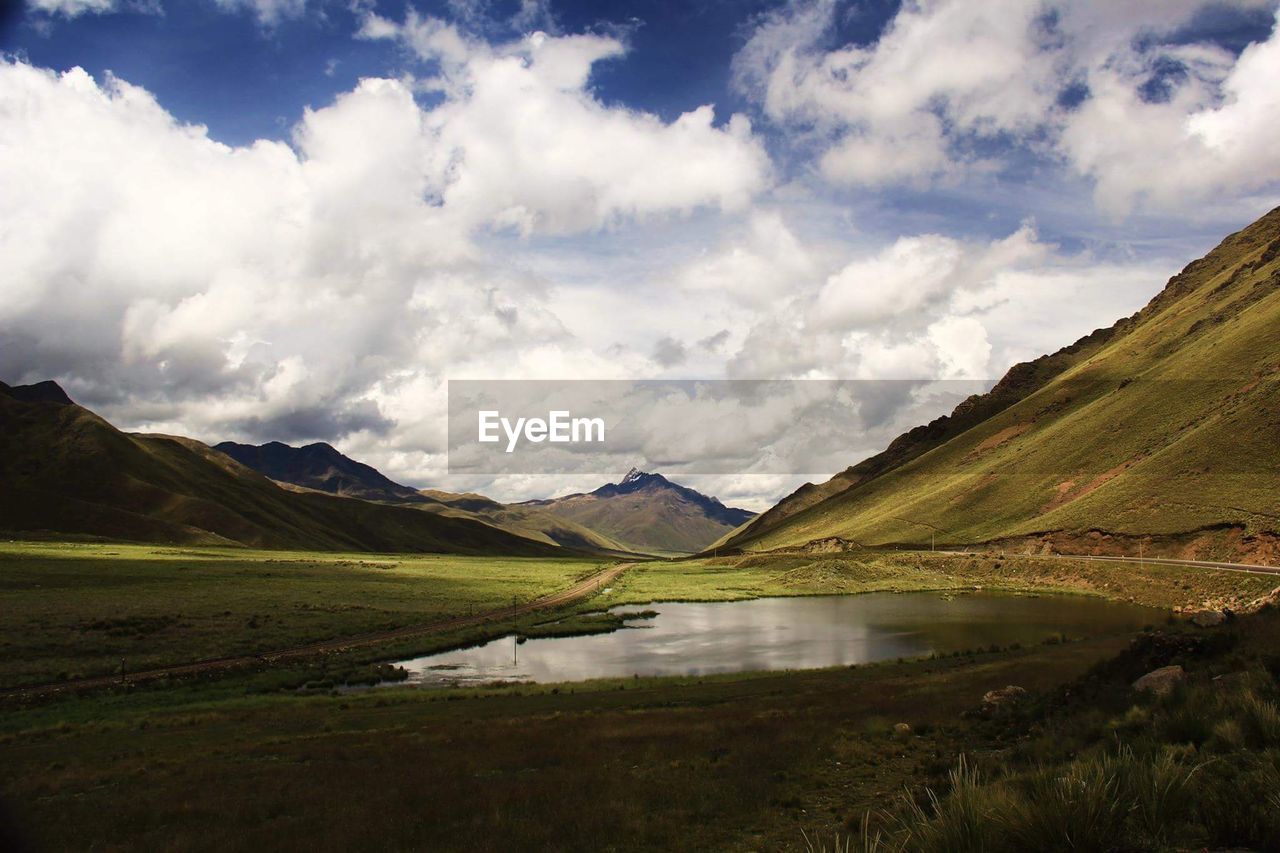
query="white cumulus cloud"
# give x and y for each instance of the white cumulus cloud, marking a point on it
(526, 144)
(950, 88)
(73, 8)
(330, 286)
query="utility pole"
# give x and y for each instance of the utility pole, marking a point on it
(1141, 563)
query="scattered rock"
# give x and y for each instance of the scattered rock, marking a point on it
(1208, 618)
(829, 545)
(1160, 681)
(902, 729)
(995, 700)
(1231, 680)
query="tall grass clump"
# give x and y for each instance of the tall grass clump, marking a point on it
(1101, 802)
(1200, 767)
(1260, 720)
(1083, 806)
(967, 818)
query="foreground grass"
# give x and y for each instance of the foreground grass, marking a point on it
(71, 610)
(712, 763)
(1114, 770)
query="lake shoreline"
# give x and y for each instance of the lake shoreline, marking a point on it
(775, 633)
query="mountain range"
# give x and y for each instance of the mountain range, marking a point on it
(69, 472)
(1161, 431)
(321, 467)
(66, 471)
(642, 514)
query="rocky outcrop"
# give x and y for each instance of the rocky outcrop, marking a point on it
(1161, 681)
(994, 701)
(1208, 618)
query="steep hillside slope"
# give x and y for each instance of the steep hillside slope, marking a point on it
(1164, 428)
(648, 512)
(67, 471)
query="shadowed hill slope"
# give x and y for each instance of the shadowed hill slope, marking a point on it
(321, 467)
(1164, 427)
(67, 471)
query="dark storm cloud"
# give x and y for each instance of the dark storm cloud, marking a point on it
(316, 423)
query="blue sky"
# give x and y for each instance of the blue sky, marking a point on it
(297, 219)
(247, 80)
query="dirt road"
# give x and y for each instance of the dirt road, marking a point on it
(582, 589)
(1247, 568)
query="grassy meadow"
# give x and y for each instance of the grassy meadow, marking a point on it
(72, 610)
(755, 576)
(76, 609)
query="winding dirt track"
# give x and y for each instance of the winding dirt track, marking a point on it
(578, 591)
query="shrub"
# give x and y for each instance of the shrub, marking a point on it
(1083, 806)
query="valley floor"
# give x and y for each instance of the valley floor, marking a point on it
(746, 761)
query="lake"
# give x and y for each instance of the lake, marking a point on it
(784, 633)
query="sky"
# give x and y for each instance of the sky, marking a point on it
(297, 220)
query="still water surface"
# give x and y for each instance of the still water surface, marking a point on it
(784, 633)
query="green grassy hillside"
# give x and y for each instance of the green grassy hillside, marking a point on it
(67, 471)
(1162, 429)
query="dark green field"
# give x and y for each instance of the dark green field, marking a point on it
(747, 761)
(656, 763)
(73, 610)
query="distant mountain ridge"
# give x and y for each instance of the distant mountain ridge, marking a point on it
(649, 512)
(639, 481)
(642, 513)
(321, 467)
